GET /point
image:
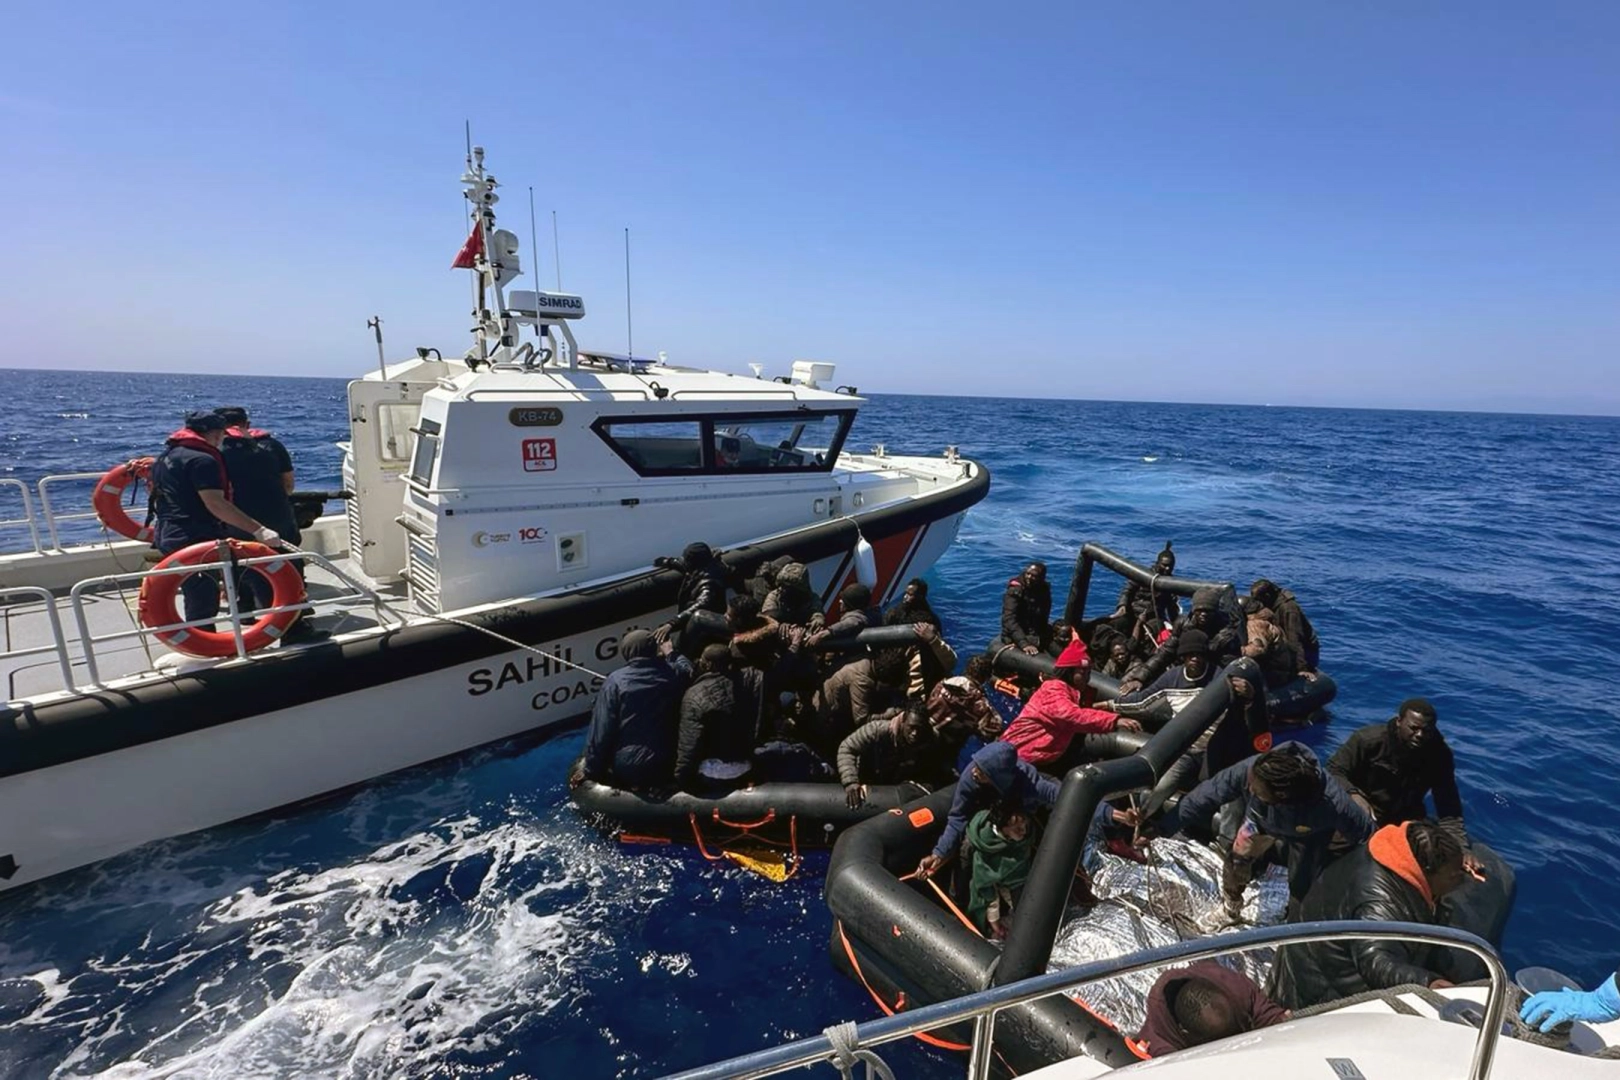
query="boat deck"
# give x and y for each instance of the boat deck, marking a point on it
(43, 648)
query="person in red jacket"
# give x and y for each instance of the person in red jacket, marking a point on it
(1194, 1005)
(1054, 716)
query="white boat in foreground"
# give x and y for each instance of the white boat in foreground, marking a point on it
(1396, 1035)
(505, 511)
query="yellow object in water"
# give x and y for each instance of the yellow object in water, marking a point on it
(764, 861)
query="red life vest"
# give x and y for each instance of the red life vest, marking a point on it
(192, 441)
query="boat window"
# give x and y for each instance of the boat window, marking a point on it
(654, 447)
(801, 441)
(425, 453)
(727, 443)
(395, 442)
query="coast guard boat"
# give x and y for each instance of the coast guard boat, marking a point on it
(504, 510)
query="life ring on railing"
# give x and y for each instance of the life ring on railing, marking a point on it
(108, 498)
(159, 591)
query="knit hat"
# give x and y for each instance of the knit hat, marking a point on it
(1193, 642)
(696, 554)
(1074, 655)
(1207, 599)
(793, 574)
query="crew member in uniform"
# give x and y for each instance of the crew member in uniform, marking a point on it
(191, 496)
(261, 474)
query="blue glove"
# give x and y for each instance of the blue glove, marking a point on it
(1561, 1006)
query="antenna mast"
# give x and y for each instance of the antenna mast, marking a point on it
(556, 249)
(629, 335)
(374, 324)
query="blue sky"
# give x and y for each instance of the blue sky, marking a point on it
(1384, 204)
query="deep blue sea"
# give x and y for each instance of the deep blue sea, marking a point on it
(461, 920)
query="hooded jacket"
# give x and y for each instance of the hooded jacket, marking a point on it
(792, 602)
(1268, 646)
(722, 716)
(1042, 732)
(1006, 777)
(1376, 765)
(999, 868)
(1026, 612)
(1298, 629)
(1362, 885)
(1161, 1034)
(1304, 829)
(631, 742)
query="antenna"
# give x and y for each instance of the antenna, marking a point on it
(629, 337)
(469, 144)
(556, 249)
(374, 324)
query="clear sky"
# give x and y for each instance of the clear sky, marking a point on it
(1383, 203)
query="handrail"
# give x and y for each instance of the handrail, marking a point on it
(983, 1007)
(50, 514)
(532, 391)
(58, 643)
(28, 512)
(232, 611)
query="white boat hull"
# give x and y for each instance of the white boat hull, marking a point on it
(67, 815)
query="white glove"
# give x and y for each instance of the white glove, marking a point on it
(266, 535)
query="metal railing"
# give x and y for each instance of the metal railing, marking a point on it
(28, 518)
(226, 570)
(58, 643)
(983, 1007)
(42, 523)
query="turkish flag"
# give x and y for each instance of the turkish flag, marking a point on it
(467, 257)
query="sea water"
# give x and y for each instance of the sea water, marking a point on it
(461, 919)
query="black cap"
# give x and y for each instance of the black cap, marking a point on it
(204, 422)
(235, 415)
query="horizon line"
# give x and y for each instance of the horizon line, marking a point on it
(1454, 410)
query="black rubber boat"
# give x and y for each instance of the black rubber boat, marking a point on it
(907, 949)
(1298, 702)
(797, 814)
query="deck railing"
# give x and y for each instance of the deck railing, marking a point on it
(82, 647)
(983, 1007)
(41, 520)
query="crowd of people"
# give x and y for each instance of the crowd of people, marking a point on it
(1356, 834)
(750, 682)
(220, 477)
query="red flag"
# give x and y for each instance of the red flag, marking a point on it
(467, 257)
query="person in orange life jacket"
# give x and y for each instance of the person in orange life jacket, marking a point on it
(1042, 732)
(191, 497)
(261, 474)
(1026, 610)
(1399, 876)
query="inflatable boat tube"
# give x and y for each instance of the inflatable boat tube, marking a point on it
(1097, 555)
(712, 624)
(1294, 703)
(898, 930)
(804, 815)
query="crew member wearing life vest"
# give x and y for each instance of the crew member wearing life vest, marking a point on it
(261, 473)
(191, 495)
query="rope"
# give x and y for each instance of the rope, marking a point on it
(847, 1053)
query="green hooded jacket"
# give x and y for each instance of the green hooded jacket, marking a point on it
(1000, 866)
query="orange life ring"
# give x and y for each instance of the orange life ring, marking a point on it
(159, 591)
(108, 498)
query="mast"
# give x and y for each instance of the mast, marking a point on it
(494, 263)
